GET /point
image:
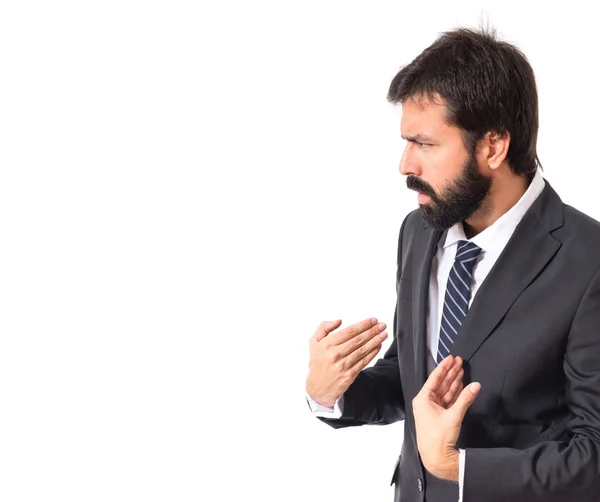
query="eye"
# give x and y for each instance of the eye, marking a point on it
(424, 145)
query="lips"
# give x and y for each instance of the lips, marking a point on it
(423, 198)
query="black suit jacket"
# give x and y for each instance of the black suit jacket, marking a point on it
(531, 337)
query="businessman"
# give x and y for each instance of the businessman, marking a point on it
(495, 360)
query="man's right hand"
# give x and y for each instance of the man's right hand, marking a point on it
(336, 359)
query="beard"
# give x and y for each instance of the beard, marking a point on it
(458, 201)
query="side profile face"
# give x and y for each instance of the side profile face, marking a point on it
(439, 166)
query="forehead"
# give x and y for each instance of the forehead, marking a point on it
(426, 117)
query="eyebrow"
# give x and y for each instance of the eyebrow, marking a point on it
(418, 138)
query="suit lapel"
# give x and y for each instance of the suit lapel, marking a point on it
(425, 249)
(526, 254)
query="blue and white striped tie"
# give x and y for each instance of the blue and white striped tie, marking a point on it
(458, 291)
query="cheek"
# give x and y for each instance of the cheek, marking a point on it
(436, 169)
(440, 173)
(445, 167)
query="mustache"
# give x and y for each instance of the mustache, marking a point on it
(414, 183)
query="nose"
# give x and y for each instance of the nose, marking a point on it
(409, 163)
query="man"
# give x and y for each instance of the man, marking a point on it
(495, 361)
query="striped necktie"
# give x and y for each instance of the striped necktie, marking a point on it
(458, 291)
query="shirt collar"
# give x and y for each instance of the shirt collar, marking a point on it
(505, 224)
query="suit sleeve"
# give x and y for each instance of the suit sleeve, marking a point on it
(553, 471)
(375, 397)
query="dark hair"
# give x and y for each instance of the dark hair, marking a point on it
(487, 85)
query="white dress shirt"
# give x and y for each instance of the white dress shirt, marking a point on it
(492, 242)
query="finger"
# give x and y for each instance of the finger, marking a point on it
(360, 352)
(465, 399)
(365, 360)
(353, 330)
(438, 374)
(450, 377)
(454, 390)
(325, 328)
(358, 342)
(458, 391)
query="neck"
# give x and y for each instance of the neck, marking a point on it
(504, 193)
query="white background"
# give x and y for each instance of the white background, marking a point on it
(186, 191)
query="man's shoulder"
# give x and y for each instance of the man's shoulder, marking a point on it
(565, 220)
(580, 237)
(412, 224)
(579, 228)
(413, 221)
(579, 221)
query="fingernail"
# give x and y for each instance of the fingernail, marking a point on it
(381, 326)
(373, 321)
(383, 335)
(475, 387)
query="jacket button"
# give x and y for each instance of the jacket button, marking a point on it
(420, 484)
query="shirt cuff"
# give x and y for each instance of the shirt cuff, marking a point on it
(335, 411)
(461, 473)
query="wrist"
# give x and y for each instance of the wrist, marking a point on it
(322, 401)
(446, 467)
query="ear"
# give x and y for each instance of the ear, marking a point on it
(492, 149)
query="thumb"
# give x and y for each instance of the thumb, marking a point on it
(327, 327)
(466, 399)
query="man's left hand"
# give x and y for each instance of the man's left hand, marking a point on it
(438, 425)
